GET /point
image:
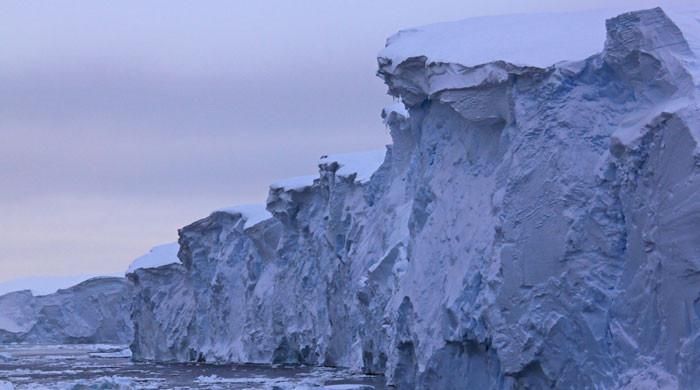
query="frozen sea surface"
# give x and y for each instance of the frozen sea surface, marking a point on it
(109, 367)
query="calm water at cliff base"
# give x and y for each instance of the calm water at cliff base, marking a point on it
(109, 367)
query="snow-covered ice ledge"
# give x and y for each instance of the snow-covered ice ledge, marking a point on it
(424, 61)
(359, 165)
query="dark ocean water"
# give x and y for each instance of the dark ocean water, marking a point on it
(109, 367)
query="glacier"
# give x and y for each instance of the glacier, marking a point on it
(95, 311)
(534, 223)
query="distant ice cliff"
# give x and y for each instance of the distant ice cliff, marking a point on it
(94, 311)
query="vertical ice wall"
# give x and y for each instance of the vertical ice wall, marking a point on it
(531, 226)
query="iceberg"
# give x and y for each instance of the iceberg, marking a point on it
(92, 312)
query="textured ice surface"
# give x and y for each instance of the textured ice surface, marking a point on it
(158, 256)
(94, 311)
(688, 20)
(529, 227)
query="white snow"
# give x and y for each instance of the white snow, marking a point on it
(44, 285)
(294, 183)
(397, 107)
(538, 40)
(158, 256)
(252, 213)
(361, 164)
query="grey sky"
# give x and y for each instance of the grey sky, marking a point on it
(122, 121)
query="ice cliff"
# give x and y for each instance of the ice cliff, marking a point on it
(534, 223)
(94, 311)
